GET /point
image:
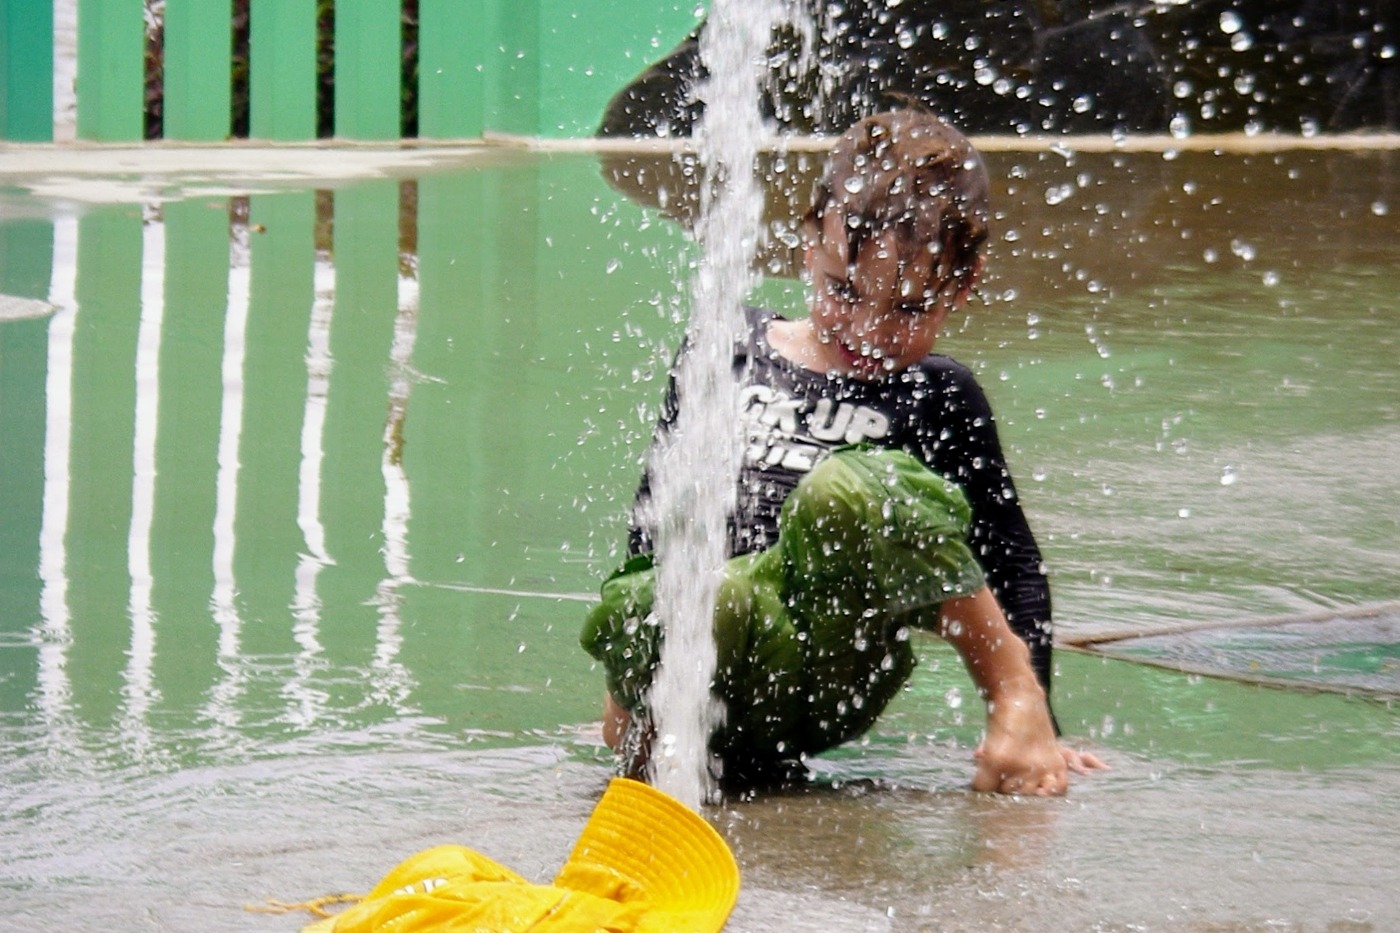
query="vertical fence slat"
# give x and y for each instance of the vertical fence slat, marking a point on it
(198, 51)
(361, 336)
(282, 69)
(281, 291)
(516, 108)
(108, 291)
(26, 251)
(453, 84)
(368, 59)
(111, 70)
(26, 70)
(196, 289)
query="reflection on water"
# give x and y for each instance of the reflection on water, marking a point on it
(306, 491)
(190, 390)
(222, 505)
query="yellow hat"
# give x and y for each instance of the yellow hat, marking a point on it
(645, 863)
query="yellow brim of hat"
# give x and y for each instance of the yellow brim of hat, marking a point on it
(644, 862)
(655, 848)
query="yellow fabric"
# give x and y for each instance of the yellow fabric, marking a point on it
(644, 863)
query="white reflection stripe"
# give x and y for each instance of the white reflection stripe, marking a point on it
(392, 679)
(55, 692)
(396, 492)
(313, 425)
(308, 703)
(502, 591)
(230, 441)
(223, 699)
(143, 481)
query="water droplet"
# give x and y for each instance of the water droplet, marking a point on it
(1083, 103)
(1228, 476)
(1244, 250)
(1380, 208)
(1230, 22)
(1182, 89)
(953, 698)
(613, 265)
(854, 184)
(1183, 513)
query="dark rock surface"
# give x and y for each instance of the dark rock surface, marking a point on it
(1063, 66)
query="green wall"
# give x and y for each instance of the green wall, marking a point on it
(563, 59)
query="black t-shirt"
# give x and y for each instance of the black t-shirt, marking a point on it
(934, 410)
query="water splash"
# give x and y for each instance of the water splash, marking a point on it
(695, 467)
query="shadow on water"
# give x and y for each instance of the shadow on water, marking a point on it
(306, 491)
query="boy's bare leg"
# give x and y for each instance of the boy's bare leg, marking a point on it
(1020, 754)
(628, 738)
(615, 722)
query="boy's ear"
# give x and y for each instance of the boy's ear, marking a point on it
(808, 250)
(970, 283)
(977, 267)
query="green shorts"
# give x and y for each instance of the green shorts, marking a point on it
(812, 635)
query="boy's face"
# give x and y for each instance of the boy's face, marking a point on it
(878, 313)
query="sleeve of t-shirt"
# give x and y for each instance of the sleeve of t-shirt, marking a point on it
(969, 452)
(640, 532)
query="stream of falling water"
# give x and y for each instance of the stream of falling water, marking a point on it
(695, 467)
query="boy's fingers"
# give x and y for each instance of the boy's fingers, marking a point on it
(1082, 762)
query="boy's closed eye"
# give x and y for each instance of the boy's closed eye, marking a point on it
(845, 291)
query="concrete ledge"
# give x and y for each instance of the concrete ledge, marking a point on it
(97, 173)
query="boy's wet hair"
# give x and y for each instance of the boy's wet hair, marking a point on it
(910, 173)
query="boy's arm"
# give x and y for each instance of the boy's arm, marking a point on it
(968, 451)
(1020, 754)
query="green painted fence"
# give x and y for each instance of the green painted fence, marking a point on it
(529, 67)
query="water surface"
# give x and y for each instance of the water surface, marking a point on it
(306, 490)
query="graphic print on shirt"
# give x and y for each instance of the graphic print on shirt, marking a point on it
(789, 433)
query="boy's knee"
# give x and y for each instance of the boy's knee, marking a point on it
(835, 497)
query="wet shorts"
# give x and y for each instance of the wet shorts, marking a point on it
(812, 635)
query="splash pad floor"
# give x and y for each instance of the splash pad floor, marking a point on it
(327, 739)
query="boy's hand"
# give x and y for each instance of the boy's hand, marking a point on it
(1020, 754)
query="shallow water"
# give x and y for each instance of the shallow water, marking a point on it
(300, 525)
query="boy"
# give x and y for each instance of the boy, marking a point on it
(873, 495)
